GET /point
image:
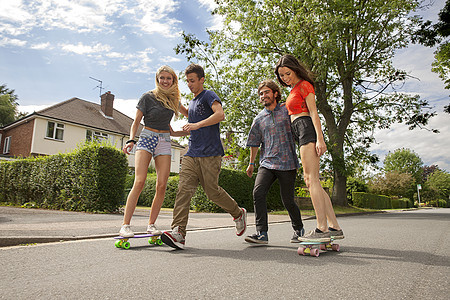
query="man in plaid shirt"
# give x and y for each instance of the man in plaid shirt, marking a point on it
(271, 131)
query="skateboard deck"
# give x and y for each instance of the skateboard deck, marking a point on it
(312, 248)
(122, 242)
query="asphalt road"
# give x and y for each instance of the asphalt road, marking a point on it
(402, 255)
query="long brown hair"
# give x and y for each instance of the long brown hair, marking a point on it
(291, 62)
(170, 97)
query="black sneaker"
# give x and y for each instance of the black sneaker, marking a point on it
(336, 234)
(297, 234)
(258, 238)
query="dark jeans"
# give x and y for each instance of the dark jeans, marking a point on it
(264, 180)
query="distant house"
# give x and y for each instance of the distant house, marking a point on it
(62, 127)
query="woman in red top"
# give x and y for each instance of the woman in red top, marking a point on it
(306, 127)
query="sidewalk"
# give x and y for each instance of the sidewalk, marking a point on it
(27, 226)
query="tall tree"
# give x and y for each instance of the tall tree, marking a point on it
(8, 106)
(348, 44)
(405, 161)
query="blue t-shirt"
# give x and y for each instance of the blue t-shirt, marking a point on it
(205, 141)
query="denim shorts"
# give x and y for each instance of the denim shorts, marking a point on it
(303, 130)
(156, 143)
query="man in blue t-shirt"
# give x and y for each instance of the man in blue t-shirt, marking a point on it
(203, 161)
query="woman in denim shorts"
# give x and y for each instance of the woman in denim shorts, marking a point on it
(306, 128)
(157, 107)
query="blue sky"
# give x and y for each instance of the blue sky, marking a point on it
(50, 48)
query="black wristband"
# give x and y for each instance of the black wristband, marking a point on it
(130, 141)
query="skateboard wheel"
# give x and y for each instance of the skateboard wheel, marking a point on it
(126, 245)
(118, 244)
(159, 242)
(151, 242)
(335, 247)
(323, 247)
(314, 252)
(301, 251)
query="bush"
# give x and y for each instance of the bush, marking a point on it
(237, 184)
(367, 200)
(92, 178)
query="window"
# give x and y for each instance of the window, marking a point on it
(96, 136)
(7, 145)
(55, 131)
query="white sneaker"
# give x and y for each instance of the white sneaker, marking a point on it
(241, 223)
(151, 229)
(126, 231)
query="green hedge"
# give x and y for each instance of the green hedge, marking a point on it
(367, 200)
(92, 178)
(237, 184)
(401, 203)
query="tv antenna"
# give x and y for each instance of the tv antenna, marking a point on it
(100, 86)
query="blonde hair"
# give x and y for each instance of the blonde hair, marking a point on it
(170, 97)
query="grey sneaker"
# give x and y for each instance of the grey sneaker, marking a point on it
(173, 239)
(336, 234)
(241, 223)
(125, 231)
(258, 238)
(315, 236)
(297, 234)
(151, 229)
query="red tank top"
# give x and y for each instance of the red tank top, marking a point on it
(295, 102)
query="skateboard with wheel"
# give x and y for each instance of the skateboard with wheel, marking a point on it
(122, 242)
(312, 248)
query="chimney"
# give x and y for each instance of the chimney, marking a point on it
(107, 101)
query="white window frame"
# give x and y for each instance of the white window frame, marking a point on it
(96, 135)
(57, 127)
(7, 145)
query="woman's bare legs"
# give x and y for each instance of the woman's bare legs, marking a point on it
(162, 166)
(320, 199)
(142, 161)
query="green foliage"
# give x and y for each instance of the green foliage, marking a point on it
(367, 200)
(349, 46)
(437, 187)
(401, 203)
(236, 183)
(393, 184)
(92, 178)
(355, 185)
(405, 161)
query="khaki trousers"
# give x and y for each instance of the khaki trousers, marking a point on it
(203, 170)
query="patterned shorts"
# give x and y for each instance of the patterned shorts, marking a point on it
(154, 142)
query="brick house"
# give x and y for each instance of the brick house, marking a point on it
(62, 127)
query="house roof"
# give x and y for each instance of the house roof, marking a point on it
(88, 114)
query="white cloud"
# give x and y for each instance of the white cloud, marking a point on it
(85, 49)
(41, 46)
(12, 42)
(431, 147)
(169, 59)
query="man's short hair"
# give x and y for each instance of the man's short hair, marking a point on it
(194, 68)
(271, 85)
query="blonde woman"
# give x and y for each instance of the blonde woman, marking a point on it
(157, 107)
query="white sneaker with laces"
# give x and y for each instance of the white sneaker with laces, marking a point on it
(241, 223)
(125, 231)
(151, 229)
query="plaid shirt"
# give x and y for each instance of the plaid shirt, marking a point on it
(271, 130)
